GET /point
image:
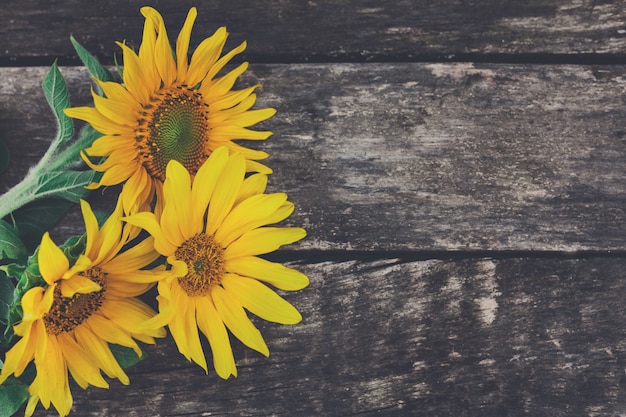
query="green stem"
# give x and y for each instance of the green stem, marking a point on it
(26, 190)
(20, 195)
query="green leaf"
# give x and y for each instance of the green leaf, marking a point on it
(55, 90)
(4, 156)
(13, 393)
(33, 220)
(11, 246)
(126, 356)
(93, 65)
(6, 300)
(69, 185)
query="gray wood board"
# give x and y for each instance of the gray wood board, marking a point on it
(323, 30)
(417, 157)
(492, 338)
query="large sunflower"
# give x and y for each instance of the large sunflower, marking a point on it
(170, 108)
(68, 324)
(211, 232)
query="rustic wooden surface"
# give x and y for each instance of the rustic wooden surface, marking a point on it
(466, 220)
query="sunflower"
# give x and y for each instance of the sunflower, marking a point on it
(211, 232)
(170, 108)
(69, 323)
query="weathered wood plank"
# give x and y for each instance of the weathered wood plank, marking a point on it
(327, 29)
(419, 156)
(514, 337)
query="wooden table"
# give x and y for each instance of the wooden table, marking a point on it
(461, 170)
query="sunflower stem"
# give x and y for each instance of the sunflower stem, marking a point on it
(28, 190)
(20, 194)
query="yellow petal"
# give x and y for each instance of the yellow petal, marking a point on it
(182, 45)
(32, 302)
(177, 189)
(106, 145)
(116, 111)
(91, 225)
(17, 358)
(193, 337)
(205, 56)
(123, 289)
(273, 273)
(253, 166)
(237, 321)
(78, 284)
(131, 314)
(52, 260)
(213, 328)
(118, 173)
(263, 240)
(183, 327)
(229, 132)
(82, 263)
(108, 331)
(148, 222)
(96, 119)
(138, 192)
(31, 405)
(163, 52)
(54, 368)
(260, 300)
(246, 152)
(217, 67)
(225, 192)
(218, 88)
(248, 215)
(134, 77)
(99, 352)
(253, 185)
(232, 98)
(205, 180)
(137, 257)
(252, 117)
(79, 364)
(117, 92)
(147, 51)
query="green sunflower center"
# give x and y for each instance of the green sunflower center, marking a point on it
(205, 264)
(67, 313)
(174, 125)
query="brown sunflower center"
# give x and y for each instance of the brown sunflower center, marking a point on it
(68, 312)
(174, 125)
(205, 264)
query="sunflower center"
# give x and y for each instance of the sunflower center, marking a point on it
(205, 264)
(174, 125)
(67, 313)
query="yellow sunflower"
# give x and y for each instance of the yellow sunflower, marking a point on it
(68, 324)
(211, 232)
(170, 108)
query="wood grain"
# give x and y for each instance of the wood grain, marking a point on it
(328, 30)
(517, 337)
(418, 156)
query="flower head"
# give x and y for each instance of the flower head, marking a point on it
(211, 232)
(170, 108)
(68, 324)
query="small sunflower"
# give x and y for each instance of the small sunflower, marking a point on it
(211, 232)
(170, 108)
(68, 324)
